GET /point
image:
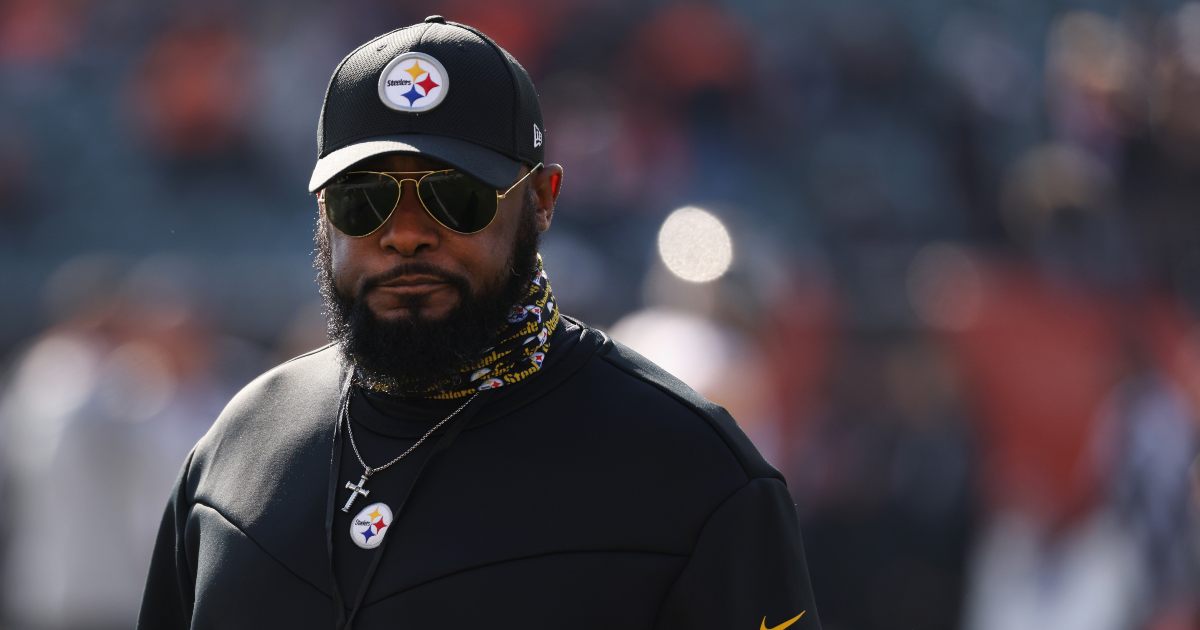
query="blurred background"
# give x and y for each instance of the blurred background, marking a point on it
(941, 259)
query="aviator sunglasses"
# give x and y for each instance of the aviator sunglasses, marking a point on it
(359, 202)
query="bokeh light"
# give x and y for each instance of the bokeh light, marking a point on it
(694, 245)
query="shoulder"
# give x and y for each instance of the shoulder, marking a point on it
(278, 399)
(638, 391)
(314, 372)
(274, 435)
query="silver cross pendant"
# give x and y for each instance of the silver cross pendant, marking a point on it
(355, 491)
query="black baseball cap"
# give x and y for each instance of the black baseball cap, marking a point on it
(438, 88)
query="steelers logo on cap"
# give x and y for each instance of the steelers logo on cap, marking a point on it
(413, 82)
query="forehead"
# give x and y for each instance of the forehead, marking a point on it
(399, 162)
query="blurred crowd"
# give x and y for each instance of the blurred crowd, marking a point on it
(961, 315)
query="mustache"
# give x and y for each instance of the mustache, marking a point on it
(415, 269)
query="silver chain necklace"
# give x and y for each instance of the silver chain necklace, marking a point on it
(357, 490)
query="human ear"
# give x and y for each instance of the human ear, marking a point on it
(547, 184)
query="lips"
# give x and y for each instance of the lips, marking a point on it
(411, 287)
(411, 281)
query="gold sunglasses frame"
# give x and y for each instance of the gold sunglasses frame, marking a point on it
(500, 196)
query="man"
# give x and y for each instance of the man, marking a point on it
(463, 455)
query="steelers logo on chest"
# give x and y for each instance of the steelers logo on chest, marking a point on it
(370, 525)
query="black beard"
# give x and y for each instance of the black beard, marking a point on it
(413, 355)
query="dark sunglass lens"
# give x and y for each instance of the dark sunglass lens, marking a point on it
(458, 201)
(358, 203)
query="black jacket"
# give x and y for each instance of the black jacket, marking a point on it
(600, 493)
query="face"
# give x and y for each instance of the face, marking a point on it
(414, 267)
(414, 300)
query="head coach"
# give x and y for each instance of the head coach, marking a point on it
(463, 455)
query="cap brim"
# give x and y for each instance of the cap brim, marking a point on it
(495, 169)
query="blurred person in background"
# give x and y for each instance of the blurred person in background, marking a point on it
(1067, 360)
(555, 476)
(99, 408)
(884, 473)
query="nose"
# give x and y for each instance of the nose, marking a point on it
(409, 230)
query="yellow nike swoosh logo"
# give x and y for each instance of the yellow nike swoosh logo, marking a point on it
(783, 625)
